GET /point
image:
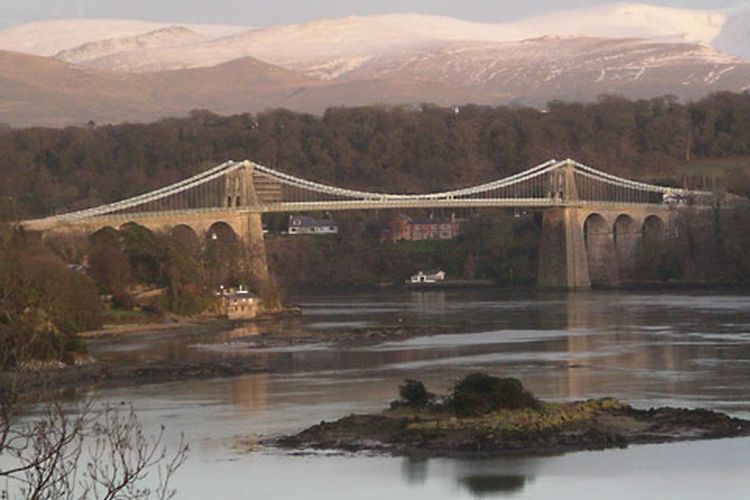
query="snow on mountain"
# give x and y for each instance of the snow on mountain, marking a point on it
(336, 44)
(46, 38)
(330, 48)
(170, 36)
(549, 65)
(634, 50)
(44, 91)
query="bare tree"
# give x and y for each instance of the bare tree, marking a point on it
(49, 450)
(92, 453)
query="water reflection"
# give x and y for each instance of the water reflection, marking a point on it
(681, 349)
(563, 345)
(480, 478)
(414, 469)
(425, 303)
(250, 392)
(486, 486)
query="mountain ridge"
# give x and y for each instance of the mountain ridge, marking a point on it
(148, 70)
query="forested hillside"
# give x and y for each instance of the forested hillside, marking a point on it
(50, 170)
(43, 171)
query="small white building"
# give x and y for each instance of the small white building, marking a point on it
(304, 224)
(672, 198)
(239, 303)
(435, 276)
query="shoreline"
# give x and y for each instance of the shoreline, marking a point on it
(174, 322)
(109, 375)
(626, 285)
(111, 330)
(218, 364)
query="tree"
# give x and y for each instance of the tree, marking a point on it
(88, 452)
(110, 267)
(92, 454)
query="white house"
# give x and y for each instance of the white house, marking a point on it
(239, 303)
(304, 224)
(428, 277)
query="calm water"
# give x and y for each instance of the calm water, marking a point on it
(683, 349)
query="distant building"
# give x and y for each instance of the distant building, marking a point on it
(672, 198)
(519, 213)
(239, 303)
(404, 227)
(304, 224)
(433, 276)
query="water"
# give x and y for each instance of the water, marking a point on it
(687, 349)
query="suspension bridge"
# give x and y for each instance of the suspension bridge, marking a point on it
(593, 221)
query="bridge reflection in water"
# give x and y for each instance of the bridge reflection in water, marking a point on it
(563, 345)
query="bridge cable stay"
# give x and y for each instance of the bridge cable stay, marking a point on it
(172, 189)
(371, 195)
(539, 185)
(594, 173)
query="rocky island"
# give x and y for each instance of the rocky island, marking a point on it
(487, 415)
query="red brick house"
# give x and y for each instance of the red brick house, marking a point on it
(404, 227)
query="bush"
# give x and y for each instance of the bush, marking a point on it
(479, 393)
(413, 393)
(123, 300)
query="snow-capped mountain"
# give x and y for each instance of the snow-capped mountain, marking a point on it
(536, 70)
(47, 38)
(330, 47)
(163, 37)
(631, 49)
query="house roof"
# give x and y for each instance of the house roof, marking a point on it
(427, 220)
(307, 221)
(431, 271)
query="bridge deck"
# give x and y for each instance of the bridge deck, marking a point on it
(235, 188)
(296, 207)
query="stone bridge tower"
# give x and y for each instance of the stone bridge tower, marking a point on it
(585, 242)
(240, 196)
(563, 261)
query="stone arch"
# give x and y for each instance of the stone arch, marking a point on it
(600, 251)
(142, 244)
(186, 237)
(624, 226)
(223, 257)
(143, 227)
(652, 247)
(144, 224)
(107, 229)
(627, 239)
(221, 231)
(654, 230)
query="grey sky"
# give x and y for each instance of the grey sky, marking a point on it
(268, 12)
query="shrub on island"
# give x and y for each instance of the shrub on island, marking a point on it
(413, 394)
(480, 393)
(474, 395)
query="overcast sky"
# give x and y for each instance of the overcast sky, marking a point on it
(269, 12)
